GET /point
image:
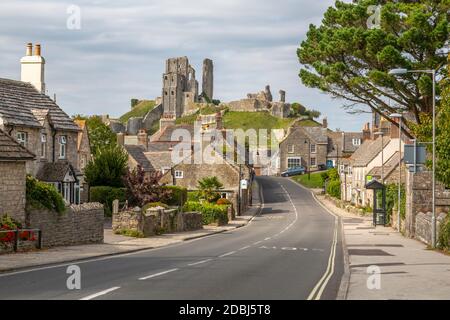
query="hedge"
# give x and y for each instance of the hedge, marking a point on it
(212, 213)
(179, 195)
(41, 194)
(444, 234)
(334, 189)
(106, 196)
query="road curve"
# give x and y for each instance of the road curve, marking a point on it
(291, 251)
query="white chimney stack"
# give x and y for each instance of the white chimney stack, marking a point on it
(33, 68)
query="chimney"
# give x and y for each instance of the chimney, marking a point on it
(394, 130)
(325, 123)
(121, 139)
(33, 68)
(142, 138)
(366, 132)
(29, 49)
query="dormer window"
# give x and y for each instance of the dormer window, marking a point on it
(62, 147)
(22, 138)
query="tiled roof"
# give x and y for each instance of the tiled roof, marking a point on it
(161, 146)
(137, 153)
(160, 160)
(22, 105)
(368, 151)
(344, 141)
(166, 134)
(390, 165)
(11, 150)
(55, 172)
(317, 134)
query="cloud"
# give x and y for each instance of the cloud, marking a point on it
(120, 51)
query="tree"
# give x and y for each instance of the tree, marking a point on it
(345, 58)
(100, 135)
(107, 167)
(208, 188)
(143, 189)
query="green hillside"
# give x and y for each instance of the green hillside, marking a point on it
(140, 110)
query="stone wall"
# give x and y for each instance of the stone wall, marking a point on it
(13, 189)
(79, 224)
(156, 221)
(419, 201)
(151, 117)
(423, 226)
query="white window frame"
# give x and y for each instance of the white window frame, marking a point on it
(294, 158)
(22, 138)
(179, 174)
(43, 145)
(291, 148)
(356, 142)
(62, 147)
(313, 148)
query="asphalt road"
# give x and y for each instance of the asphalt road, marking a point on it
(291, 251)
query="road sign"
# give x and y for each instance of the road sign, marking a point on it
(415, 154)
(244, 184)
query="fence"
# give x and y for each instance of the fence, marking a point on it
(14, 236)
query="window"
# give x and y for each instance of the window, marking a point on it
(356, 142)
(350, 171)
(178, 174)
(294, 162)
(43, 145)
(313, 148)
(313, 161)
(291, 148)
(62, 147)
(83, 161)
(22, 138)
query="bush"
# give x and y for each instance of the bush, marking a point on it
(194, 196)
(179, 195)
(130, 233)
(212, 213)
(392, 200)
(106, 196)
(44, 195)
(334, 189)
(107, 168)
(444, 234)
(223, 201)
(154, 205)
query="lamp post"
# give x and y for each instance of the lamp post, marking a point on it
(308, 141)
(398, 72)
(380, 133)
(399, 116)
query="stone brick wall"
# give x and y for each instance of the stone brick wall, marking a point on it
(79, 224)
(156, 221)
(13, 189)
(423, 226)
(419, 201)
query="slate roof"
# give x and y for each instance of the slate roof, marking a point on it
(317, 134)
(344, 141)
(166, 134)
(55, 172)
(137, 153)
(161, 146)
(368, 151)
(22, 105)
(11, 150)
(160, 160)
(390, 165)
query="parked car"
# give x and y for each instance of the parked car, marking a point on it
(322, 167)
(293, 171)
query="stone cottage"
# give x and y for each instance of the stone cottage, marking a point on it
(41, 126)
(13, 158)
(304, 146)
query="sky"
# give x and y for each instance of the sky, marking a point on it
(119, 50)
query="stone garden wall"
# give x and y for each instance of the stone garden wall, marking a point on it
(156, 221)
(79, 224)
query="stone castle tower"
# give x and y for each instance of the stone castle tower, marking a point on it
(181, 89)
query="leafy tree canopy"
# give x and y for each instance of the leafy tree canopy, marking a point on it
(100, 135)
(347, 59)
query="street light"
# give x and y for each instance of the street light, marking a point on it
(397, 72)
(380, 133)
(399, 116)
(308, 141)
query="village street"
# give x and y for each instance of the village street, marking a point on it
(291, 250)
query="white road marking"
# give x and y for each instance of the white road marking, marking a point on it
(257, 242)
(200, 262)
(101, 293)
(244, 248)
(158, 274)
(267, 238)
(227, 254)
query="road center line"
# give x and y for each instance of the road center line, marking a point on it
(244, 248)
(200, 262)
(227, 254)
(101, 293)
(158, 274)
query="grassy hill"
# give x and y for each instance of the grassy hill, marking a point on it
(140, 110)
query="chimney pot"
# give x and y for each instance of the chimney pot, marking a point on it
(37, 50)
(29, 49)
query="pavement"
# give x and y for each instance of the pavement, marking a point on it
(384, 265)
(290, 250)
